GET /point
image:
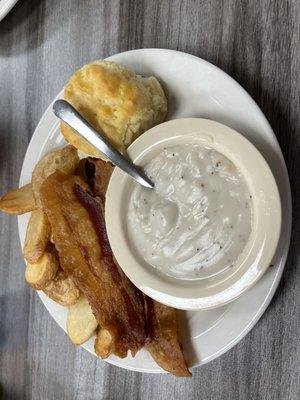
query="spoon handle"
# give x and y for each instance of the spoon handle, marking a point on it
(67, 113)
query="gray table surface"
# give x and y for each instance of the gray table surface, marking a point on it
(41, 43)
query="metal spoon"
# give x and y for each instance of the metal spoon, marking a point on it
(67, 113)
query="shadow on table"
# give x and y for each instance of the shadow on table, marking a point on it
(21, 25)
(13, 394)
(24, 25)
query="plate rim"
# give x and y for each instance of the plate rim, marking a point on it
(284, 254)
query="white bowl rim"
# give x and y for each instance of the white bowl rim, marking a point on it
(261, 246)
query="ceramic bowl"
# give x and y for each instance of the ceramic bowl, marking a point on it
(256, 257)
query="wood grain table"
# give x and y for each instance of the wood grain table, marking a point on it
(41, 43)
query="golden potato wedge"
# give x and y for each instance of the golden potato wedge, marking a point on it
(81, 323)
(103, 343)
(65, 160)
(62, 289)
(38, 275)
(37, 236)
(18, 201)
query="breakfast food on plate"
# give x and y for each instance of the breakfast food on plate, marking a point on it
(66, 247)
(62, 289)
(78, 230)
(199, 218)
(65, 160)
(99, 175)
(161, 320)
(18, 201)
(85, 276)
(81, 322)
(103, 343)
(114, 100)
(39, 274)
(37, 236)
(163, 332)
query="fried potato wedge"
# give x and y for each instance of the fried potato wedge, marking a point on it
(81, 323)
(103, 343)
(38, 275)
(164, 343)
(62, 289)
(18, 201)
(37, 236)
(78, 229)
(65, 160)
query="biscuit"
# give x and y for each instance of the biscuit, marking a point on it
(116, 101)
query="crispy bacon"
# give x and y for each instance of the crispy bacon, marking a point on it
(127, 318)
(84, 252)
(127, 290)
(161, 320)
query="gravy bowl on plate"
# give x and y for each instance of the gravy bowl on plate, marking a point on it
(209, 229)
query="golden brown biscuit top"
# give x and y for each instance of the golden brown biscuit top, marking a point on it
(114, 100)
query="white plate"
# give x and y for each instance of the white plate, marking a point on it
(5, 7)
(195, 88)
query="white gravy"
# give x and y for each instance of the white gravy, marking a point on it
(197, 219)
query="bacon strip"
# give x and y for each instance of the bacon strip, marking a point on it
(161, 320)
(127, 290)
(80, 236)
(86, 257)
